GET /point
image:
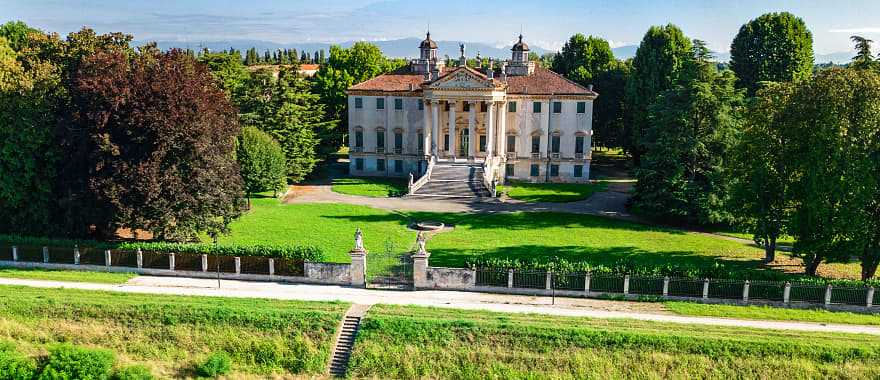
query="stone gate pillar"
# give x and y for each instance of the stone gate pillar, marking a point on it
(420, 264)
(358, 271)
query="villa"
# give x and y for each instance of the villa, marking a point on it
(461, 130)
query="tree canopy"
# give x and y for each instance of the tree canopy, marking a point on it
(583, 58)
(864, 59)
(261, 162)
(775, 47)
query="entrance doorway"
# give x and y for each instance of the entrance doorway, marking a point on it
(463, 141)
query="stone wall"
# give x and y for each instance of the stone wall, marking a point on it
(328, 273)
(450, 278)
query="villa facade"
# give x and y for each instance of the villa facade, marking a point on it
(519, 120)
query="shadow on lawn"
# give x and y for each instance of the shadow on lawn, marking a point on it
(508, 221)
(595, 256)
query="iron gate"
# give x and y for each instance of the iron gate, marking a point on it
(390, 268)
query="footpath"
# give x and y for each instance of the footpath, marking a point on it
(571, 307)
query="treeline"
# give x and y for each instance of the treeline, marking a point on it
(766, 144)
(97, 135)
(252, 57)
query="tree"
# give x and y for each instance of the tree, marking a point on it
(228, 70)
(758, 170)
(582, 58)
(155, 138)
(863, 59)
(16, 34)
(775, 47)
(287, 111)
(29, 89)
(690, 130)
(261, 162)
(661, 55)
(609, 129)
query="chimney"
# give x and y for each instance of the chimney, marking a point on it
(590, 87)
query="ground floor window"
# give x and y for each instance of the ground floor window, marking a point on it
(508, 170)
(398, 166)
(359, 164)
(380, 165)
(554, 170)
(578, 171)
(533, 170)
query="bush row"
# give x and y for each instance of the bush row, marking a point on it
(295, 252)
(718, 271)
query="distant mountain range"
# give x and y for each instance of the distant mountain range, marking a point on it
(409, 48)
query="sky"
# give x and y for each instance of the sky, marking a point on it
(544, 23)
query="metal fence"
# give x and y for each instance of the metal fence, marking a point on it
(767, 290)
(255, 265)
(188, 261)
(606, 284)
(491, 277)
(290, 267)
(92, 256)
(530, 279)
(570, 281)
(125, 259)
(646, 285)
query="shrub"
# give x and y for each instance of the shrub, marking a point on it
(68, 362)
(295, 252)
(15, 366)
(217, 364)
(135, 372)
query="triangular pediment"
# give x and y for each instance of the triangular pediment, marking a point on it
(462, 78)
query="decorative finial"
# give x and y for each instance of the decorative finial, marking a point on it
(520, 37)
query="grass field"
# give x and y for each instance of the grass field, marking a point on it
(772, 313)
(410, 342)
(551, 192)
(170, 334)
(572, 237)
(63, 275)
(370, 186)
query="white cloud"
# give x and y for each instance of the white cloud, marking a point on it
(866, 30)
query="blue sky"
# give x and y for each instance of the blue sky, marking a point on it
(544, 23)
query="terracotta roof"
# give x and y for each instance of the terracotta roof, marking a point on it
(544, 82)
(309, 66)
(541, 82)
(398, 80)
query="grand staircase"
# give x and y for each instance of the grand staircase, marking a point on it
(455, 180)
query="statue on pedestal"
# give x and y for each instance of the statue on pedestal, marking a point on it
(420, 240)
(358, 240)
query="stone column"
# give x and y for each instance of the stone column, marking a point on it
(490, 129)
(45, 254)
(139, 258)
(107, 258)
(472, 132)
(358, 267)
(76, 254)
(420, 270)
(238, 265)
(502, 130)
(271, 267)
(171, 261)
(426, 129)
(435, 127)
(451, 151)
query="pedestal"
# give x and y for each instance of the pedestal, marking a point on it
(358, 267)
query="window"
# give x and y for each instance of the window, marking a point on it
(578, 171)
(380, 103)
(484, 106)
(536, 144)
(482, 143)
(421, 105)
(554, 143)
(380, 165)
(398, 104)
(421, 143)
(508, 170)
(511, 107)
(466, 107)
(579, 145)
(358, 164)
(380, 138)
(358, 102)
(511, 143)
(398, 166)
(557, 107)
(398, 142)
(359, 139)
(554, 170)
(533, 170)
(446, 142)
(536, 107)
(582, 107)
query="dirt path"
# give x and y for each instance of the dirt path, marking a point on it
(573, 307)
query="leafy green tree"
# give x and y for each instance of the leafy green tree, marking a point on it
(609, 128)
(660, 58)
(286, 110)
(261, 162)
(758, 169)
(691, 127)
(864, 59)
(582, 58)
(29, 89)
(775, 47)
(228, 70)
(16, 34)
(156, 145)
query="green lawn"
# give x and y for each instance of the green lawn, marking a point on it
(370, 186)
(573, 237)
(171, 334)
(67, 275)
(551, 192)
(486, 345)
(772, 313)
(783, 240)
